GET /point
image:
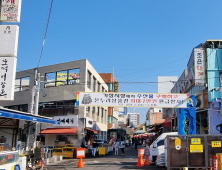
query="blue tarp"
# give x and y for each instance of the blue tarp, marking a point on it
(6, 113)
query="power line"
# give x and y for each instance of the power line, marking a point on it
(43, 44)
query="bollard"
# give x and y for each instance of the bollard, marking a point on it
(147, 162)
(215, 163)
(140, 162)
(211, 168)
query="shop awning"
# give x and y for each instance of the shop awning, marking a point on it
(14, 114)
(94, 131)
(59, 131)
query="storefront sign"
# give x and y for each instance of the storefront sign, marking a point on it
(196, 148)
(7, 77)
(216, 144)
(10, 10)
(9, 40)
(116, 86)
(132, 99)
(199, 64)
(70, 120)
(195, 141)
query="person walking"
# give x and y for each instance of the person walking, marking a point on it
(116, 148)
(122, 147)
(136, 143)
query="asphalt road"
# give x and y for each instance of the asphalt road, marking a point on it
(108, 162)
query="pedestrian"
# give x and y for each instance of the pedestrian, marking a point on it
(122, 147)
(136, 143)
(116, 148)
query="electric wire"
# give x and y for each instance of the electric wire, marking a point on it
(43, 44)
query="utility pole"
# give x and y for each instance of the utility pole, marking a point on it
(34, 107)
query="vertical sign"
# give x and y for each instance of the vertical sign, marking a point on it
(7, 77)
(9, 40)
(199, 67)
(116, 86)
(187, 118)
(10, 10)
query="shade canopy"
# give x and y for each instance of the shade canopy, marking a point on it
(59, 131)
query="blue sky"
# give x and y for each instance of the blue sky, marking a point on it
(141, 39)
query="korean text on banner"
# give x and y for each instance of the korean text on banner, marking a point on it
(7, 77)
(133, 99)
(10, 10)
(9, 35)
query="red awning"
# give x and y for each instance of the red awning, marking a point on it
(59, 131)
(167, 123)
(94, 131)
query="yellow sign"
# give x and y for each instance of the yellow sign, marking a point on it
(195, 141)
(177, 143)
(196, 148)
(216, 144)
(62, 79)
(219, 159)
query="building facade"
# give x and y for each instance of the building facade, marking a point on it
(134, 118)
(58, 95)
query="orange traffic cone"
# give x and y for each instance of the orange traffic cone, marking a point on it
(147, 162)
(80, 164)
(140, 162)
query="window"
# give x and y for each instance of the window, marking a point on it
(89, 80)
(50, 79)
(74, 76)
(110, 119)
(93, 110)
(98, 111)
(98, 87)
(61, 78)
(160, 143)
(94, 84)
(103, 89)
(22, 84)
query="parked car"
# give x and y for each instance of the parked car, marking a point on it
(157, 147)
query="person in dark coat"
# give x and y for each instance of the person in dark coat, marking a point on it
(136, 143)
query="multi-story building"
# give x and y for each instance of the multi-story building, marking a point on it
(60, 84)
(213, 72)
(154, 116)
(134, 118)
(113, 113)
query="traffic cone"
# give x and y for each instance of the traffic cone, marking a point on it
(80, 164)
(147, 162)
(140, 162)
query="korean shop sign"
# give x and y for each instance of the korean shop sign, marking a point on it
(199, 64)
(9, 40)
(7, 77)
(10, 10)
(132, 99)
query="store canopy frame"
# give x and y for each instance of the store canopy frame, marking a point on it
(14, 114)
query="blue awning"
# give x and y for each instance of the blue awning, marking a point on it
(13, 114)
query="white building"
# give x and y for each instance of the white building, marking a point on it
(166, 83)
(134, 118)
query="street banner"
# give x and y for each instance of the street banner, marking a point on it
(7, 77)
(199, 63)
(187, 118)
(9, 35)
(112, 99)
(10, 10)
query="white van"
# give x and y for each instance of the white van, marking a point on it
(157, 147)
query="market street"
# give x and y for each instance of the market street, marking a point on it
(108, 162)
